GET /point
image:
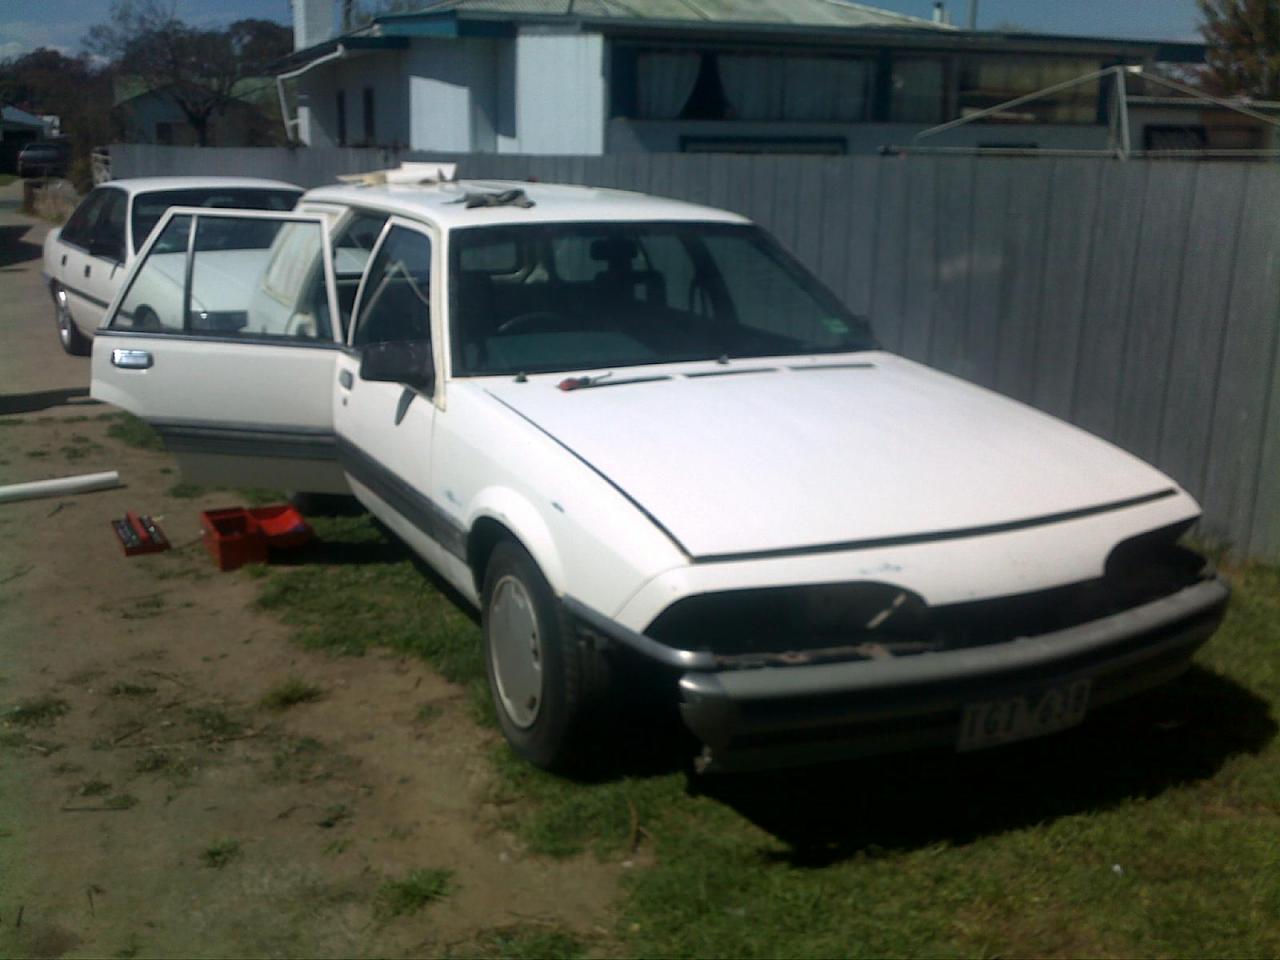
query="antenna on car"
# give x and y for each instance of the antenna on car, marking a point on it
(407, 174)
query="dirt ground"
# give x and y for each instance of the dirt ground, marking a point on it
(149, 805)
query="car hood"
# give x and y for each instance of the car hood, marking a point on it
(823, 452)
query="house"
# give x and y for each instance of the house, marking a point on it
(621, 76)
(17, 129)
(152, 115)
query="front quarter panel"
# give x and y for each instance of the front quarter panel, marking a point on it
(587, 538)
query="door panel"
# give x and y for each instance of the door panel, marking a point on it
(384, 429)
(221, 340)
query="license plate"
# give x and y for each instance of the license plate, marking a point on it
(992, 722)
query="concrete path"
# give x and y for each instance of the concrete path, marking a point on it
(36, 376)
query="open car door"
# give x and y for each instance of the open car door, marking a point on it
(222, 338)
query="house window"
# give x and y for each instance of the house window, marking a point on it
(367, 109)
(917, 90)
(741, 85)
(342, 118)
(986, 81)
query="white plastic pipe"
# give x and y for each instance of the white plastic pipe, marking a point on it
(59, 486)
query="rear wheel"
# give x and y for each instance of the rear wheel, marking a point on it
(545, 683)
(69, 336)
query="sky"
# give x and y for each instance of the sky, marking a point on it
(62, 23)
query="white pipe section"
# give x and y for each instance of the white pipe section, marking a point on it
(59, 486)
(291, 122)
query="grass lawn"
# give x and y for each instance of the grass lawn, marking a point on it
(1152, 830)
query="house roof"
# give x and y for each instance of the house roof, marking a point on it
(825, 13)
(13, 117)
(256, 90)
(809, 22)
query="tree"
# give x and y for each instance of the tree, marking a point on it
(198, 68)
(76, 90)
(1243, 39)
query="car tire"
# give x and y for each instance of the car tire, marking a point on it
(546, 684)
(69, 336)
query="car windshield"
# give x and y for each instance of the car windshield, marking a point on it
(572, 296)
(148, 208)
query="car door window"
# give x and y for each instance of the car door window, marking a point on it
(107, 235)
(153, 301)
(352, 246)
(395, 300)
(80, 223)
(258, 278)
(246, 277)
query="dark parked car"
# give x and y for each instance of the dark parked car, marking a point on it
(45, 158)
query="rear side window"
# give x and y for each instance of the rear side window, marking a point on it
(108, 230)
(148, 208)
(245, 278)
(396, 302)
(80, 223)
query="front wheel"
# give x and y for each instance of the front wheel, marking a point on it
(69, 336)
(543, 681)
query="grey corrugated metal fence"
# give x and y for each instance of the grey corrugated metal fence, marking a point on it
(1140, 300)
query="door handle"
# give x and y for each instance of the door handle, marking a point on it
(64, 260)
(86, 269)
(131, 359)
(345, 378)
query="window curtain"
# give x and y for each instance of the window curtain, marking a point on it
(664, 82)
(753, 85)
(814, 89)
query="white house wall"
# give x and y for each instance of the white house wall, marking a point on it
(318, 99)
(451, 92)
(559, 93)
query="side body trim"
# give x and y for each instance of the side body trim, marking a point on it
(246, 440)
(419, 509)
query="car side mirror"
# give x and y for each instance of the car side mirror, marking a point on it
(400, 361)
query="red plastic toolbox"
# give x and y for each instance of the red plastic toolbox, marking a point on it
(233, 537)
(282, 525)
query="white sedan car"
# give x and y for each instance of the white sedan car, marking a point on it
(636, 433)
(86, 260)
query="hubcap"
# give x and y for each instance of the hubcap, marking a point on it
(63, 317)
(515, 649)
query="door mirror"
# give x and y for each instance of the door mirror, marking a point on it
(399, 361)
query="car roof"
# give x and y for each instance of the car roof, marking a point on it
(440, 203)
(136, 185)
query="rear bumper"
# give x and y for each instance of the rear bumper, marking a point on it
(792, 715)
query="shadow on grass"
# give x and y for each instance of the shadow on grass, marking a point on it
(1176, 735)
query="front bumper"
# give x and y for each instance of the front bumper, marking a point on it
(792, 715)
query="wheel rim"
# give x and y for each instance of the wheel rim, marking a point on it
(63, 316)
(515, 649)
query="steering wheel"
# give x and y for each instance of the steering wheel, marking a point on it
(532, 321)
